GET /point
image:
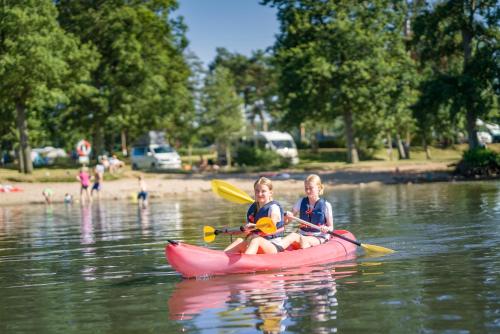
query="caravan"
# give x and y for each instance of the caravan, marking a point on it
(280, 142)
(151, 151)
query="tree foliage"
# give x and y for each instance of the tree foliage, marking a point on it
(337, 59)
(41, 66)
(457, 41)
(142, 78)
(222, 119)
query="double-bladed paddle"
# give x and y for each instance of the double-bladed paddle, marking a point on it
(264, 224)
(367, 247)
(231, 193)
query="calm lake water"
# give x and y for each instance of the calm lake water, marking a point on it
(102, 269)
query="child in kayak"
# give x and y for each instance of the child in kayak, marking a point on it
(264, 206)
(313, 209)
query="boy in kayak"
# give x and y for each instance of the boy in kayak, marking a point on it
(313, 209)
(264, 206)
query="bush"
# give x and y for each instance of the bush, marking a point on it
(249, 156)
(480, 161)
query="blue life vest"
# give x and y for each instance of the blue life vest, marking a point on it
(253, 217)
(316, 215)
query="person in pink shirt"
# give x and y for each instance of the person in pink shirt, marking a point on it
(84, 178)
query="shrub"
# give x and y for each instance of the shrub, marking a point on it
(480, 161)
(249, 156)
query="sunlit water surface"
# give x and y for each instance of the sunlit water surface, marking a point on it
(101, 268)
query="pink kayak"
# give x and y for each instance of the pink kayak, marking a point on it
(195, 261)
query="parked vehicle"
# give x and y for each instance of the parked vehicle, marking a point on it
(46, 156)
(487, 132)
(152, 151)
(280, 142)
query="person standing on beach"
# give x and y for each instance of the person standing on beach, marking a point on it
(84, 179)
(142, 196)
(98, 179)
(48, 193)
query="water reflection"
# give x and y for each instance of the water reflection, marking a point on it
(267, 302)
(86, 227)
(443, 279)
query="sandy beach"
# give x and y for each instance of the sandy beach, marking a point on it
(165, 185)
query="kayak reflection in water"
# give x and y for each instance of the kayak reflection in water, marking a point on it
(268, 301)
(312, 209)
(264, 206)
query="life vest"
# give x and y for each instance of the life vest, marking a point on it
(253, 216)
(315, 215)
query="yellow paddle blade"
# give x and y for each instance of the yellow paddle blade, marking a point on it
(377, 249)
(266, 225)
(208, 233)
(231, 193)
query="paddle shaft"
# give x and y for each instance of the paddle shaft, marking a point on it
(329, 232)
(235, 230)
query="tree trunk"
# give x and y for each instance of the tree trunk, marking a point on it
(97, 142)
(389, 146)
(426, 149)
(401, 149)
(352, 151)
(190, 154)
(407, 144)
(471, 129)
(471, 116)
(25, 148)
(124, 142)
(302, 131)
(263, 120)
(228, 154)
(20, 165)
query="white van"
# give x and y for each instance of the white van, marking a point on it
(151, 152)
(280, 142)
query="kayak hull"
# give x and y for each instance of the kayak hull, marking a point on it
(195, 261)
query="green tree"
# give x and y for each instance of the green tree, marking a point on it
(334, 61)
(457, 42)
(222, 119)
(40, 65)
(142, 77)
(255, 81)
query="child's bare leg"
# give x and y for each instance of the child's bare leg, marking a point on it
(308, 241)
(236, 246)
(290, 239)
(266, 246)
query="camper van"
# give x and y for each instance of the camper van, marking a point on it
(280, 142)
(151, 151)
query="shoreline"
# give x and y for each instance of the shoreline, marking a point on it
(165, 185)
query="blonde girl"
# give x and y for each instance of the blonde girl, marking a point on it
(312, 209)
(264, 206)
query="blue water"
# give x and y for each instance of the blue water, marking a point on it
(101, 268)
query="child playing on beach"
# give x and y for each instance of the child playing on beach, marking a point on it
(264, 206)
(48, 193)
(142, 196)
(98, 178)
(84, 179)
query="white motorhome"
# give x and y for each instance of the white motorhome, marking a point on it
(151, 151)
(280, 142)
